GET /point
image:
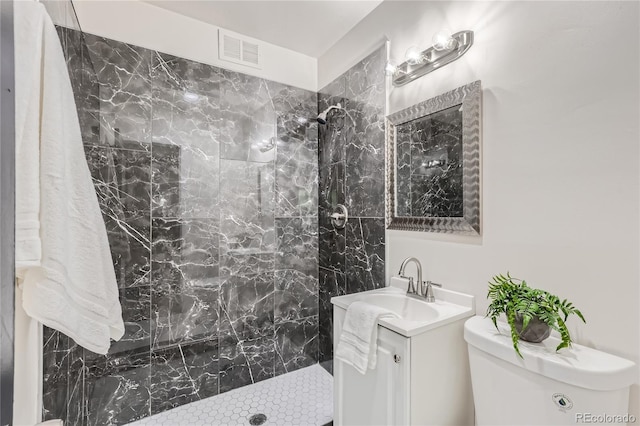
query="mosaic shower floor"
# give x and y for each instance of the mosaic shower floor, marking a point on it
(301, 398)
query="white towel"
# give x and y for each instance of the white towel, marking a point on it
(63, 261)
(359, 339)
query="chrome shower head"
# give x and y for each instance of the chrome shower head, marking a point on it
(322, 117)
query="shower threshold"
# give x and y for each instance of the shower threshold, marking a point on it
(302, 397)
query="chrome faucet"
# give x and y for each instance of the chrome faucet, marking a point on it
(412, 290)
(422, 290)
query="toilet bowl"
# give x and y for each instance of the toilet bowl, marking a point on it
(576, 385)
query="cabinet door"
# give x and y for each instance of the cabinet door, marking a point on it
(379, 397)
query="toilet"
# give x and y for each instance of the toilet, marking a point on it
(574, 386)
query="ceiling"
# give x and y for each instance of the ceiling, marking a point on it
(310, 27)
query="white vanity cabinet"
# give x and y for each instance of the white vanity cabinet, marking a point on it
(380, 397)
(421, 379)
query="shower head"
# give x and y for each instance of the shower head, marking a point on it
(322, 117)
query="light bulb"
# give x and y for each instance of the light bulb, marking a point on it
(442, 40)
(390, 68)
(413, 55)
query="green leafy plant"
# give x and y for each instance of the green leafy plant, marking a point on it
(512, 296)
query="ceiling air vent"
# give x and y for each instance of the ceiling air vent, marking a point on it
(238, 49)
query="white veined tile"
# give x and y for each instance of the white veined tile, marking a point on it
(302, 397)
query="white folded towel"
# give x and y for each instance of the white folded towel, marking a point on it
(359, 339)
(63, 260)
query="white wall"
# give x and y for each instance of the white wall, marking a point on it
(145, 25)
(560, 151)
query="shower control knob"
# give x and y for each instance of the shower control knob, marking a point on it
(339, 217)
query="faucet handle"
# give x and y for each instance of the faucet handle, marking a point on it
(428, 290)
(426, 284)
(411, 288)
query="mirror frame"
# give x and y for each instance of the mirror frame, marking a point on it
(470, 96)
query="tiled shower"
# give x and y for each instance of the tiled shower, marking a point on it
(215, 187)
(351, 172)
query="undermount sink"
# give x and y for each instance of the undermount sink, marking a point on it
(415, 316)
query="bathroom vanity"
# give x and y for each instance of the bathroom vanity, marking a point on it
(422, 373)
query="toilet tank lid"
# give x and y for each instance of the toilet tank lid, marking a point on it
(579, 365)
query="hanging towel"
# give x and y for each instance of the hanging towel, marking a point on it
(359, 339)
(63, 261)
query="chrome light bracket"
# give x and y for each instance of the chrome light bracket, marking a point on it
(432, 59)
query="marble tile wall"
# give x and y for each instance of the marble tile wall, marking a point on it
(208, 184)
(351, 172)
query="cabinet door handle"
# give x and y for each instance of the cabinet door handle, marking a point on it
(397, 359)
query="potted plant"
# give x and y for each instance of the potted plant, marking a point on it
(531, 313)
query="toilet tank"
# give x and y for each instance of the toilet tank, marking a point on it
(576, 385)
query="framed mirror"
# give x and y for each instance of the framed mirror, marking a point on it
(434, 162)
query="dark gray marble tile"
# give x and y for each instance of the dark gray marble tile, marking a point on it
(185, 251)
(136, 313)
(166, 177)
(84, 82)
(55, 369)
(366, 80)
(297, 172)
(118, 389)
(297, 248)
(331, 284)
(190, 122)
(185, 75)
(183, 313)
(183, 374)
(185, 183)
(296, 344)
(77, 387)
(243, 262)
(331, 136)
(296, 295)
(365, 254)
(365, 155)
(332, 185)
(332, 243)
(185, 153)
(336, 88)
(328, 365)
(171, 384)
(201, 362)
(122, 182)
(123, 179)
(243, 362)
(325, 339)
(185, 284)
(248, 119)
(124, 77)
(247, 207)
(296, 110)
(246, 306)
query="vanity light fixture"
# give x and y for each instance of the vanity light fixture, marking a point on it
(445, 49)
